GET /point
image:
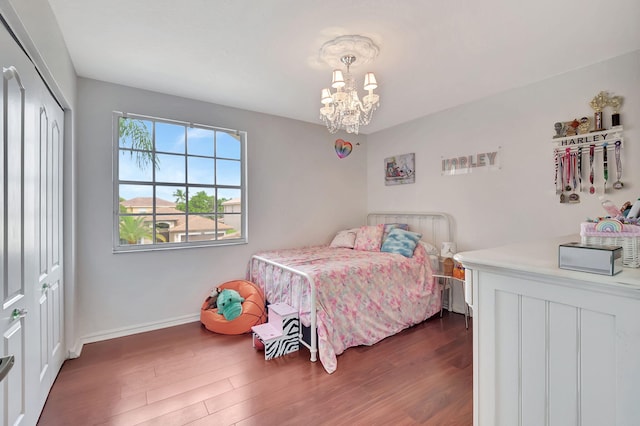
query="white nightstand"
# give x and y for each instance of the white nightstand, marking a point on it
(445, 283)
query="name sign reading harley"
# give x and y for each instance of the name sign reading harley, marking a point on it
(600, 137)
(470, 163)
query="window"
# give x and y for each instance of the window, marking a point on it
(177, 184)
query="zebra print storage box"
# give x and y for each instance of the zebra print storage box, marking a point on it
(280, 334)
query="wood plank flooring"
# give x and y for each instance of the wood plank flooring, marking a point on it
(186, 375)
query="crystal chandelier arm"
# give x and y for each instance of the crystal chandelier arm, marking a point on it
(325, 96)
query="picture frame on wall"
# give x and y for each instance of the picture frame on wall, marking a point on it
(400, 169)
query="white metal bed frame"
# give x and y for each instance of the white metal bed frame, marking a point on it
(435, 227)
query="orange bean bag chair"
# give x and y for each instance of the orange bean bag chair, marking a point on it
(253, 310)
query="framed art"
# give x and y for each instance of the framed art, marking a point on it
(400, 169)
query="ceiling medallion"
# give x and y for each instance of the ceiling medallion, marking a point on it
(361, 47)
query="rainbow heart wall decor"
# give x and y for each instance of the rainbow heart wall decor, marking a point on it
(343, 148)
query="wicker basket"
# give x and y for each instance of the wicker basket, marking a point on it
(628, 239)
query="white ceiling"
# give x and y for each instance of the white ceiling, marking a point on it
(262, 55)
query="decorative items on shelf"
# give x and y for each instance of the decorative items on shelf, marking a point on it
(458, 271)
(576, 139)
(598, 103)
(583, 125)
(615, 102)
(561, 130)
(628, 214)
(447, 250)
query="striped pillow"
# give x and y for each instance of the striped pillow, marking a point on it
(401, 242)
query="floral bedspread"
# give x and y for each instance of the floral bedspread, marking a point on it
(362, 297)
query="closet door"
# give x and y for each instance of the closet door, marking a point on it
(49, 286)
(13, 283)
(31, 276)
(49, 243)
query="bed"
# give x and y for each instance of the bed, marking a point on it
(348, 297)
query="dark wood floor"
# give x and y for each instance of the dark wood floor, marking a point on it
(186, 375)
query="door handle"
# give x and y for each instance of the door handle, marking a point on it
(46, 287)
(5, 365)
(18, 313)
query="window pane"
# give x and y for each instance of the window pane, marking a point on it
(231, 223)
(201, 170)
(132, 196)
(136, 134)
(227, 172)
(170, 138)
(201, 200)
(227, 145)
(135, 165)
(200, 142)
(173, 226)
(229, 200)
(230, 209)
(163, 228)
(170, 199)
(203, 228)
(135, 230)
(171, 169)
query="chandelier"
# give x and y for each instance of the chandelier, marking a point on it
(343, 108)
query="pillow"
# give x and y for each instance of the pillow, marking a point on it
(389, 226)
(434, 256)
(369, 238)
(346, 238)
(430, 248)
(401, 242)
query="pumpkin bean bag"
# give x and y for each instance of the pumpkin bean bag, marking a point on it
(253, 310)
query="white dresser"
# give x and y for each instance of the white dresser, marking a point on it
(551, 346)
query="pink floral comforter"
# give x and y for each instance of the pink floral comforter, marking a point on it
(362, 297)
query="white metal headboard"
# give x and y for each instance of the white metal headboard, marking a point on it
(435, 227)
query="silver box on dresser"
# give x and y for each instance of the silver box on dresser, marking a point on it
(597, 259)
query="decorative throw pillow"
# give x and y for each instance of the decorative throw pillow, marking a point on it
(401, 242)
(346, 238)
(389, 226)
(430, 248)
(369, 238)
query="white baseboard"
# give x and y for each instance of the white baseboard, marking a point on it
(76, 350)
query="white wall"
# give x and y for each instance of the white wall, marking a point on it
(299, 193)
(518, 202)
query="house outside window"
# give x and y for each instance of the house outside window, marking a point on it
(177, 184)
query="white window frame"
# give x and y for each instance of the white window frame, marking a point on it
(123, 248)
